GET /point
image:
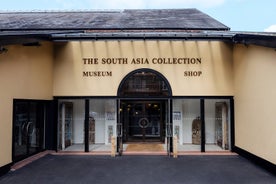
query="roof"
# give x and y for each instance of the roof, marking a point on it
(29, 28)
(184, 19)
(265, 39)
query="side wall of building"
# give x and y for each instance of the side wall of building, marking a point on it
(255, 99)
(25, 73)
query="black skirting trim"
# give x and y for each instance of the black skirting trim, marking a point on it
(257, 160)
(4, 169)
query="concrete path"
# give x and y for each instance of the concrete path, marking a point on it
(69, 169)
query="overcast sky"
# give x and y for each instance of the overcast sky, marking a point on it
(239, 15)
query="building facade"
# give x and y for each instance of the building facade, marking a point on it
(73, 80)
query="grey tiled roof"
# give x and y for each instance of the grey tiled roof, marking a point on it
(30, 28)
(184, 19)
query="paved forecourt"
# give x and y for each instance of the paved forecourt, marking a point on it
(139, 169)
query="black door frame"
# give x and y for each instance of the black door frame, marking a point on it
(43, 118)
(162, 103)
(167, 124)
(143, 97)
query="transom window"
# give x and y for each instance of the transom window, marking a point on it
(144, 83)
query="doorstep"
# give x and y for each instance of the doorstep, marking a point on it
(30, 159)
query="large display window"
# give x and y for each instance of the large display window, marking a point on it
(202, 124)
(102, 123)
(71, 124)
(217, 124)
(187, 124)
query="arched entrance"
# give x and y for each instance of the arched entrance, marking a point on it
(144, 107)
(144, 83)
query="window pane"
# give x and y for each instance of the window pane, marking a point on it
(144, 83)
(187, 124)
(71, 125)
(102, 124)
(28, 128)
(217, 125)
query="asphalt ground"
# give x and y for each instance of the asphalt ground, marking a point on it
(67, 169)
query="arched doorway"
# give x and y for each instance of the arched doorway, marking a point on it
(144, 107)
(144, 83)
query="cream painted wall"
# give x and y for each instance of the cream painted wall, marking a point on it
(30, 73)
(216, 66)
(255, 99)
(25, 73)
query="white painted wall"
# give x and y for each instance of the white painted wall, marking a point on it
(78, 121)
(210, 121)
(104, 113)
(99, 131)
(190, 110)
(210, 114)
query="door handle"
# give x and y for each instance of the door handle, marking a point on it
(29, 130)
(143, 122)
(24, 128)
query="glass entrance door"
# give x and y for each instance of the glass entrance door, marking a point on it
(28, 128)
(143, 121)
(144, 114)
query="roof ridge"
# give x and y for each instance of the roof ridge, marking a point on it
(61, 11)
(88, 10)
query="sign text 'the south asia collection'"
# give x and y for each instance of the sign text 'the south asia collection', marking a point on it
(139, 61)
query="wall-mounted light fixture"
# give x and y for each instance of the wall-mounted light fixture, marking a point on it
(3, 50)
